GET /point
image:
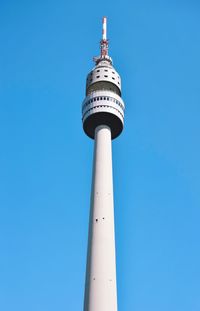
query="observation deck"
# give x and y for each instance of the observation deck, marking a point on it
(103, 104)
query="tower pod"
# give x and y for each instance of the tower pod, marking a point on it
(103, 104)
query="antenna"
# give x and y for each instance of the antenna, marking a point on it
(104, 41)
(103, 44)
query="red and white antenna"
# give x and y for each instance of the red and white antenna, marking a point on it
(104, 41)
(103, 44)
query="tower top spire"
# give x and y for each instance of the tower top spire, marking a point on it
(104, 40)
(103, 44)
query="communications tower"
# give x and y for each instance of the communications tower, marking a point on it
(103, 120)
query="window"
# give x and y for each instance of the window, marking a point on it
(97, 77)
(101, 98)
(97, 98)
(104, 98)
(105, 76)
(105, 69)
(98, 70)
(94, 99)
(113, 78)
(107, 98)
(113, 72)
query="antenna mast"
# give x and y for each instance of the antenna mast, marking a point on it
(104, 40)
(103, 45)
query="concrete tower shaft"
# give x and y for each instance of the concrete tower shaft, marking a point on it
(103, 120)
(100, 287)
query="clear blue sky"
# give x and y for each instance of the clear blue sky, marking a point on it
(46, 50)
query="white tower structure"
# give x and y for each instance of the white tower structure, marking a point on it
(103, 119)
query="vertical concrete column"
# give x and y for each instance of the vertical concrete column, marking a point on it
(100, 287)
